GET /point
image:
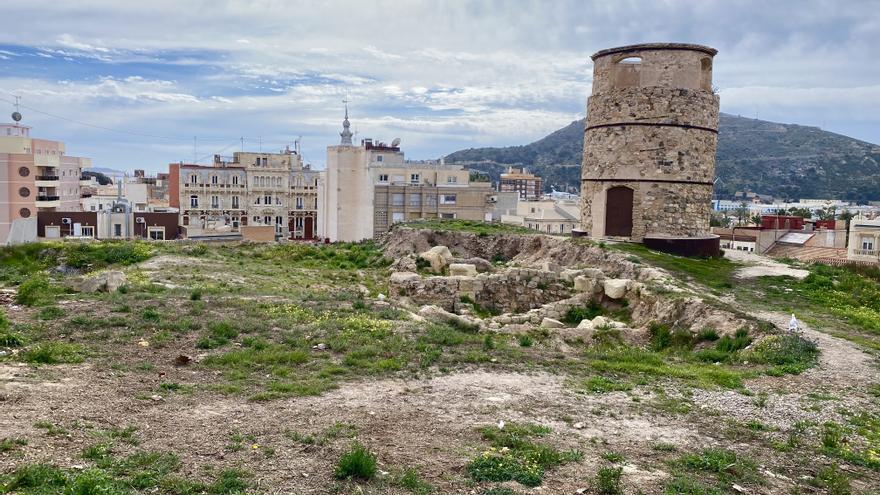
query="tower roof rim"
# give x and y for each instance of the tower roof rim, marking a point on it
(655, 46)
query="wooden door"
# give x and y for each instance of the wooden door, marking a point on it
(618, 212)
(307, 228)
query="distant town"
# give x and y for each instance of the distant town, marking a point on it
(366, 188)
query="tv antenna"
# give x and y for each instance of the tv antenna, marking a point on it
(16, 115)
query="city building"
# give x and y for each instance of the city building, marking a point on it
(519, 180)
(35, 175)
(371, 186)
(864, 241)
(649, 147)
(549, 216)
(247, 190)
(107, 224)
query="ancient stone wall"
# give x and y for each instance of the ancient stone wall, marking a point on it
(515, 290)
(651, 127)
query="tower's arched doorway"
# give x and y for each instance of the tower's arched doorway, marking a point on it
(619, 212)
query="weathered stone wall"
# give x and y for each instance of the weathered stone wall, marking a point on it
(515, 290)
(651, 127)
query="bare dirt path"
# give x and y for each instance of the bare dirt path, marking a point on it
(762, 266)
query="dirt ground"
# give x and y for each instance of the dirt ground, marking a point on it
(427, 423)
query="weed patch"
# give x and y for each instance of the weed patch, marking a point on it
(358, 463)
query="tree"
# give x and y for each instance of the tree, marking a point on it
(742, 212)
(756, 219)
(846, 215)
(827, 213)
(801, 212)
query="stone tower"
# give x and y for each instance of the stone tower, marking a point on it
(649, 147)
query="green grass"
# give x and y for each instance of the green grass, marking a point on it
(358, 463)
(410, 480)
(513, 456)
(141, 472)
(723, 463)
(601, 385)
(577, 314)
(607, 481)
(10, 444)
(53, 352)
(715, 273)
(470, 226)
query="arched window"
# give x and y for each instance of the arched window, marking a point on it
(706, 73)
(626, 72)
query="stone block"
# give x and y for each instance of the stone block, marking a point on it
(615, 288)
(462, 269)
(551, 323)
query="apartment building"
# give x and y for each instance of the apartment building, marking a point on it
(369, 187)
(864, 240)
(247, 189)
(529, 186)
(35, 175)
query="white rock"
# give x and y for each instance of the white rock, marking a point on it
(107, 281)
(438, 256)
(585, 284)
(463, 269)
(403, 277)
(585, 325)
(600, 321)
(551, 323)
(615, 288)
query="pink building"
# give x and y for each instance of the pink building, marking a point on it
(35, 175)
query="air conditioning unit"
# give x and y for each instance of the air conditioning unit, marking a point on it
(65, 221)
(139, 220)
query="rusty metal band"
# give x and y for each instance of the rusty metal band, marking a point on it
(664, 181)
(654, 124)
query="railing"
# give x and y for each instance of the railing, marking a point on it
(46, 177)
(48, 198)
(85, 177)
(865, 252)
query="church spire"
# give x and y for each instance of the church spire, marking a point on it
(346, 132)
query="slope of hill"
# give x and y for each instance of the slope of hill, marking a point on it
(786, 160)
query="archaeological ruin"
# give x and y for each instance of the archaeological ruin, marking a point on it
(649, 147)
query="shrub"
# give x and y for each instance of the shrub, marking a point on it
(662, 337)
(35, 290)
(832, 479)
(740, 340)
(50, 313)
(195, 295)
(101, 254)
(357, 463)
(608, 481)
(577, 314)
(790, 352)
(525, 340)
(53, 353)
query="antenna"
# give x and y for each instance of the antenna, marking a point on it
(16, 115)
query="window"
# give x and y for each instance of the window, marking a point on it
(267, 220)
(868, 243)
(24, 192)
(24, 171)
(277, 201)
(24, 213)
(194, 201)
(156, 233)
(451, 179)
(92, 207)
(258, 200)
(215, 202)
(299, 203)
(380, 158)
(265, 161)
(235, 201)
(267, 200)
(414, 178)
(431, 200)
(383, 177)
(88, 231)
(397, 217)
(415, 200)
(193, 179)
(234, 180)
(447, 215)
(397, 199)
(214, 180)
(117, 230)
(447, 199)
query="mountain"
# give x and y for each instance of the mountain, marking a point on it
(787, 161)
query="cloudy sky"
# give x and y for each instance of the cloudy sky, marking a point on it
(130, 83)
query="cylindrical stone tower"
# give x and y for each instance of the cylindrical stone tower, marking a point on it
(649, 147)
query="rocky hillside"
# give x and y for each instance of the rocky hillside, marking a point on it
(784, 160)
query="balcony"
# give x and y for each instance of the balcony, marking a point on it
(48, 202)
(866, 252)
(85, 180)
(47, 181)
